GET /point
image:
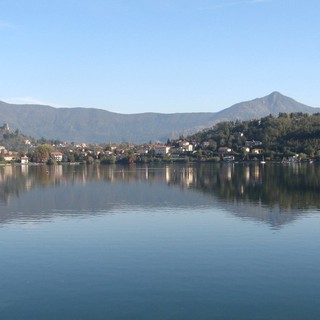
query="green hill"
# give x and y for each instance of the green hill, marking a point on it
(100, 126)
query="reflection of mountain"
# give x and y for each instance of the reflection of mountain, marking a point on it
(269, 193)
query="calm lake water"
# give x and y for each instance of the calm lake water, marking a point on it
(204, 241)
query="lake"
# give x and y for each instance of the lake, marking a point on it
(192, 241)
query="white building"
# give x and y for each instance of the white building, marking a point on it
(24, 160)
(161, 150)
(57, 156)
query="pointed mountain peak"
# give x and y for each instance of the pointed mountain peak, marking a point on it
(274, 103)
(275, 95)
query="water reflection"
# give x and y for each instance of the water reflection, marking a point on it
(289, 187)
(275, 194)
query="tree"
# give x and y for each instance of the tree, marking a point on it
(51, 162)
(42, 153)
(90, 160)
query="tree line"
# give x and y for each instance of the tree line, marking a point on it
(285, 135)
(281, 136)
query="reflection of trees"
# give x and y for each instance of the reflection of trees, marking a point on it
(10, 185)
(287, 187)
(294, 186)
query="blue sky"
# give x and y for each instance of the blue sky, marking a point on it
(132, 56)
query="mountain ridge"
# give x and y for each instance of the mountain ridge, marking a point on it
(94, 125)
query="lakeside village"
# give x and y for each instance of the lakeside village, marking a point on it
(288, 138)
(180, 150)
(183, 151)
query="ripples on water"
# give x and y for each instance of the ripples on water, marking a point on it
(195, 242)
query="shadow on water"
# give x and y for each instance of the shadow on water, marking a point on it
(271, 193)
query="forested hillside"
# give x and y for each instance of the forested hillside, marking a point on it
(91, 125)
(286, 134)
(14, 140)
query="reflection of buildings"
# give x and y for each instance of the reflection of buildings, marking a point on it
(256, 172)
(146, 173)
(265, 193)
(227, 171)
(24, 170)
(8, 171)
(56, 171)
(247, 173)
(252, 173)
(267, 184)
(187, 176)
(167, 174)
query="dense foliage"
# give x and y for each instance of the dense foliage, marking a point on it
(294, 135)
(287, 134)
(14, 141)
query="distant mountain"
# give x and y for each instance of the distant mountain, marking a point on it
(274, 104)
(98, 126)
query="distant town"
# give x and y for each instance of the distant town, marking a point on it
(287, 138)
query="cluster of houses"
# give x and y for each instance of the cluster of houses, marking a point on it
(182, 148)
(13, 156)
(179, 150)
(8, 155)
(226, 153)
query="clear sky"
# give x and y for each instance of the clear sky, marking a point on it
(132, 56)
